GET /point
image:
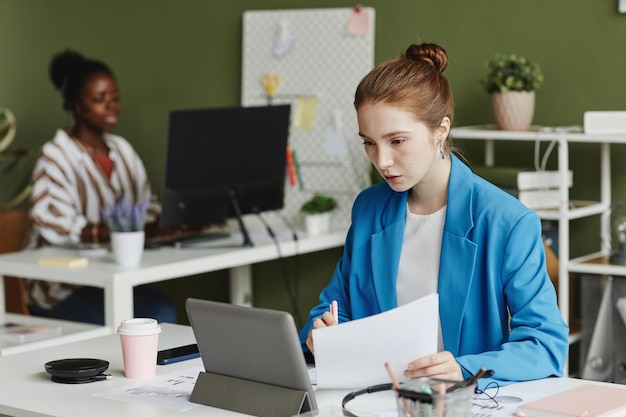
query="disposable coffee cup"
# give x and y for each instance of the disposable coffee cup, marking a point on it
(140, 344)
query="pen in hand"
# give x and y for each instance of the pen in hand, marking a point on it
(334, 310)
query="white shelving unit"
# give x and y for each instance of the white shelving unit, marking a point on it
(595, 263)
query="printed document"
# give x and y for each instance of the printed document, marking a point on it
(170, 391)
(353, 354)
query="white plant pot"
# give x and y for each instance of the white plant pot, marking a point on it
(317, 224)
(514, 110)
(127, 247)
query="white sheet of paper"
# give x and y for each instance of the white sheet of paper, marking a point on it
(353, 354)
(336, 143)
(168, 391)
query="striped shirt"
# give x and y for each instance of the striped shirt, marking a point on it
(69, 188)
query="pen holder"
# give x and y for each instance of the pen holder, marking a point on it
(430, 397)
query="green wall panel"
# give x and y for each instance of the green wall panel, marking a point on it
(187, 53)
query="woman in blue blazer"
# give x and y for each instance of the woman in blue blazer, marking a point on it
(434, 226)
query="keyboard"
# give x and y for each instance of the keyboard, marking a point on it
(185, 239)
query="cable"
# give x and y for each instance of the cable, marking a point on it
(541, 165)
(294, 235)
(546, 154)
(291, 293)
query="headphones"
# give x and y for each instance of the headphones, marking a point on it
(369, 390)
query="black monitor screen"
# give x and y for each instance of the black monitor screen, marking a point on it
(219, 156)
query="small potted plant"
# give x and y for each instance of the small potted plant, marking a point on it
(512, 80)
(125, 222)
(123, 217)
(317, 213)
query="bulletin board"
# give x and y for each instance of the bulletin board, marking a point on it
(313, 59)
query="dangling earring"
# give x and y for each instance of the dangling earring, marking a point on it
(441, 150)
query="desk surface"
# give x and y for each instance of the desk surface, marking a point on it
(162, 264)
(71, 332)
(28, 391)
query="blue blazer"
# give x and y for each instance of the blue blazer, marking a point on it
(497, 305)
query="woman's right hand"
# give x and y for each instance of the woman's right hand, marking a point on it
(326, 320)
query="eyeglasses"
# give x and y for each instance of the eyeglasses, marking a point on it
(487, 400)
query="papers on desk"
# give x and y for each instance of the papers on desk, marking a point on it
(353, 354)
(169, 391)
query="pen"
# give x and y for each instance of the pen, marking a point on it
(482, 373)
(298, 172)
(334, 310)
(476, 376)
(396, 385)
(392, 376)
(441, 400)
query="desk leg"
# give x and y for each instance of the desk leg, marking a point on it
(118, 304)
(241, 285)
(2, 305)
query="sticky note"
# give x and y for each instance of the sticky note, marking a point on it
(305, 112)
(65, 261)
(358, 22)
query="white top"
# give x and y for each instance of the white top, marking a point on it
(69, 189)
(418, 271)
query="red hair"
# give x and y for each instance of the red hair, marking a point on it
(413, 81)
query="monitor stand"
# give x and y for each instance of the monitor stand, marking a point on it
(213, 239)
(242, 227)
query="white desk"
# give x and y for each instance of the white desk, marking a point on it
(164, 264)
(28, 391)
(71, 332)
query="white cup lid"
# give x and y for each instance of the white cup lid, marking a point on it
(139, 326)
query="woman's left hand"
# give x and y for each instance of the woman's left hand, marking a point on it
(440, 365)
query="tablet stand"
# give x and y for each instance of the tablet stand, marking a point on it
(249, 397)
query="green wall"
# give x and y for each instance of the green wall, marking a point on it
(187, 53)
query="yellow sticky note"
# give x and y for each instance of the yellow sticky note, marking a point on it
(305, 112)
(65, 261)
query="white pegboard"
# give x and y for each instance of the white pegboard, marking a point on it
(315, 56)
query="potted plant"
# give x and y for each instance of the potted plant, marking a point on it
(512, 80)
(125, 222)
(317, 213)
(16, 167)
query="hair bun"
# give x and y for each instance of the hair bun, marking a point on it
(432, 53)
(63, 65)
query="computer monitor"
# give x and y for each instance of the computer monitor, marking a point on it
(222, 163)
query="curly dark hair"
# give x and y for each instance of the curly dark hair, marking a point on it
(69, 70)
